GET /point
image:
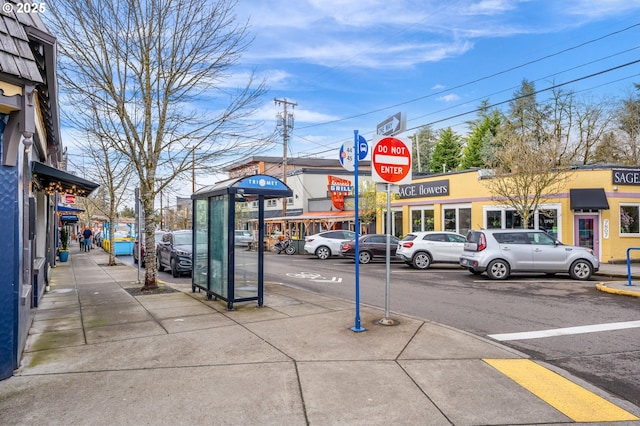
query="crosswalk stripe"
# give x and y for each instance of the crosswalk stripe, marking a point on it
(565, 331)
(572, 400)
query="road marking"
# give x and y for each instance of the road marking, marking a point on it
(572, 400)
(566, 331)
(332, 280)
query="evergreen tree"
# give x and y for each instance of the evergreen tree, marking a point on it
(422, 147)
(482, 132)
(447, 152)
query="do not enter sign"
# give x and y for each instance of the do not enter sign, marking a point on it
(391, 161)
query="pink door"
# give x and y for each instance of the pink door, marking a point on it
(587, 232)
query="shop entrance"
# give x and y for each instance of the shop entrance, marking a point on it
(587, 232)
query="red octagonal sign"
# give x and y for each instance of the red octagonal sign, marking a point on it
(391, 160)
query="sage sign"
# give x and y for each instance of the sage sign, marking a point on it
(425, 189)
(626, 177)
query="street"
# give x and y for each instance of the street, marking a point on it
(545, 308)
(525, 303)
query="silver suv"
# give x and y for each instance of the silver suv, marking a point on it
(421, 249)
(500, 252)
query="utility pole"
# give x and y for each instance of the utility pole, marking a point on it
(284, 120)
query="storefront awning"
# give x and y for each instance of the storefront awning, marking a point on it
(69, 209)
(51, 180)
(588, 199)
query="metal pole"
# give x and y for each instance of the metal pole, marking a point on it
(356, 154)
(387, 293)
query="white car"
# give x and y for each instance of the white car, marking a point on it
(421, 249)
(327, 243)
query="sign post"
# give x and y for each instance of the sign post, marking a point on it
(358, 142)
(391, 164)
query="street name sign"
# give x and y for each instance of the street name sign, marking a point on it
(391, 160)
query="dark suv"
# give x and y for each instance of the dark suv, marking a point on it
(174, 252)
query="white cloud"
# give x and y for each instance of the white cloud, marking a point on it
(449, 98)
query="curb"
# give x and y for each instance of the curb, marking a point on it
(603, 287)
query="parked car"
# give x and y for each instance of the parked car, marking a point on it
(174, 252)
(327, 243)
(370, 246)
(157, 237)
(499, 252)
(242, 237)
(421, 249)
(97, 238)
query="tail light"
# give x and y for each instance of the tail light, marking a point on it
(483, 243)
(408, 244)
(346, 246)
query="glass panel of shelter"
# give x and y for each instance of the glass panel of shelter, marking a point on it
(245, 269)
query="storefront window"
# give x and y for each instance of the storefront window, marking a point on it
(422, 220)
(457, 220)
(396, 223)
(548, 222)
(494, 219)
(546, 219)
(629, 219)
(464, 219)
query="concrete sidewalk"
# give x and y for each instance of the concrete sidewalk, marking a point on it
(97, 355)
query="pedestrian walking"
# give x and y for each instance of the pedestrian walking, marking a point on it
(86, 234)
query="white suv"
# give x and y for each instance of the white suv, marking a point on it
(421, 249)
(500, 252)
(326, 244)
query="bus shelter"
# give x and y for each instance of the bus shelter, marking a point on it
(223, 266)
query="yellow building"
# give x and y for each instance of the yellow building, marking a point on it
(599, 208)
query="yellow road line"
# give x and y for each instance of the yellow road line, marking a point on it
(572, 400)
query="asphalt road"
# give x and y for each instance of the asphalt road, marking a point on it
(548, 308)
(447, 294)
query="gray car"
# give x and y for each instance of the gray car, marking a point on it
(499, 252)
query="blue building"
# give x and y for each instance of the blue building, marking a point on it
(31, 175)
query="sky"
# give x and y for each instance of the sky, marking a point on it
(349, 65)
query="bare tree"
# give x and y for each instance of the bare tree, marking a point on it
(525, 174)
(628, 127)
(156, 73)
(114, 176)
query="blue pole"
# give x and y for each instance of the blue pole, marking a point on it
(629, 264)
(356, 155)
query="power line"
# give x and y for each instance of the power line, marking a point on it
(503, 102)
(476, 80)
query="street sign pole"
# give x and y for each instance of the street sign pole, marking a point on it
(387, 289)
(356, 154)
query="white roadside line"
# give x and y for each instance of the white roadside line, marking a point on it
(566, 331)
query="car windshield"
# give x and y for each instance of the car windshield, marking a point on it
(182, 239)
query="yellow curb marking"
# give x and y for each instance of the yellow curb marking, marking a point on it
(604, 288)
(572, 400)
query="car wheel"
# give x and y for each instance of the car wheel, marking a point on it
(365, 257)
(323, 252)
(581, 270)
(159, 262)
(498, 270)
(174, 270)
(421, 260)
